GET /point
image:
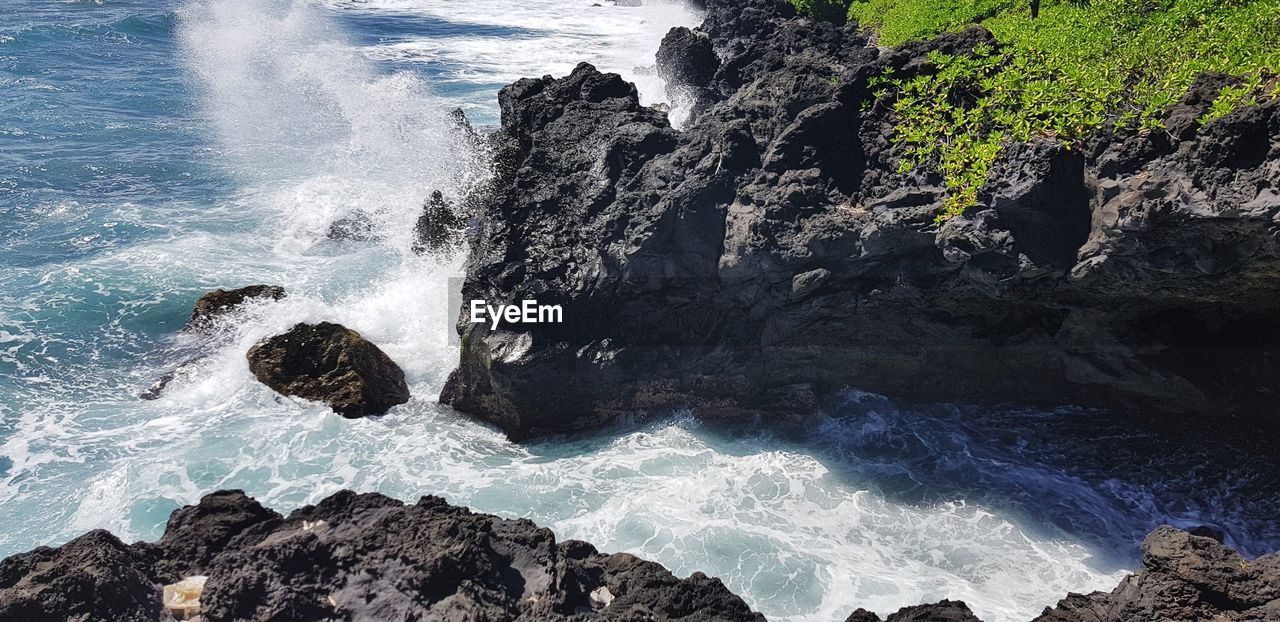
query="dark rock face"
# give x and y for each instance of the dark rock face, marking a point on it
(196, 534)
(354, 227)
(1184, 578)
(770, 253)
(942, 611)
(687, 57)
(688, 63)
(222, 301)
(94, 577)
(439, 227)
(1184, 118)
(332, 364)
(369, 557)
(354, 557)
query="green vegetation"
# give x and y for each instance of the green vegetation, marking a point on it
(1076, 67)
(897, 21)
(829, 10)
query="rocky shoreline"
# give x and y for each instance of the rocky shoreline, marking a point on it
(369, 557)
(768, 253)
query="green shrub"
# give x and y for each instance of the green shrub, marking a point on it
(829, 10)
(1072, 70)
(897, 21)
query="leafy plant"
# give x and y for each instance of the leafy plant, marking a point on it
(1077, 67)
(1232, 97)
(828, 10)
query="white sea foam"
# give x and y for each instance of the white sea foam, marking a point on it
(535, 38)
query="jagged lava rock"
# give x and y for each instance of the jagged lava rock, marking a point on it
(212, 305)
(942, 611)
(368, 557)
(687, 62)
(333, 364)
(1184, 578)
(771, 253)
(354, 557)
(357, 226)
(222, 301)
(687, 57)
(438, 227)
(196, 534)
(93, 577)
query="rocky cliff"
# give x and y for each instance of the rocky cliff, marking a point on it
(368, 557)
(768, 252)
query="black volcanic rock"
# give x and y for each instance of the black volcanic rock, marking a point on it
(222, 301)
(196, 534)
(687, 57)
(368, 557)
(354, 227)
(771, 249)
(333, 364)
(1184, 578)
(354, 557)
(1183, 119)
(439, 226)
(219, 303)
(94, 577)
(688, 63)
(942, 611)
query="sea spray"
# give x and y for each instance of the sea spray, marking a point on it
(508, 41)
(292, 100)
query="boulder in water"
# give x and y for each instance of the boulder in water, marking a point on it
(354, 227)
(333, 364)
(222, 301)
(210, 306)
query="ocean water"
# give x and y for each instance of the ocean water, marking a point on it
(151, 150)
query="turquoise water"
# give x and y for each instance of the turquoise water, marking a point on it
(151, 151)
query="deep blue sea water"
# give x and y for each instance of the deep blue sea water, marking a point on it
(153, 150)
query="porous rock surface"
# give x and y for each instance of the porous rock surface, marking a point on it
(353, 557)
(1184, 578)
(768, 253)
(369, 557)
(944, 611)
(222, 301)
(438, 227)
(333, 364)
